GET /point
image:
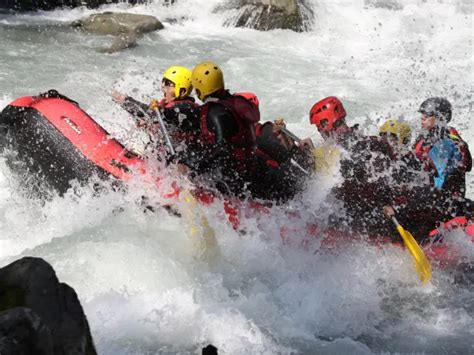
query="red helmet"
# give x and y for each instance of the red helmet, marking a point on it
(250, 96)
(326, 112)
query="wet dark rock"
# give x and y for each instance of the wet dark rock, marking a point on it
(209, 350)
(23, 332)
(33, 5)
(266, 15)
(38, 314)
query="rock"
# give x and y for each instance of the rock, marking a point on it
(266, 15)
(23, 332)
(32, 5)
(122, 42)
(46, 305)
(127, 27)
(117, 23)
(209, 350)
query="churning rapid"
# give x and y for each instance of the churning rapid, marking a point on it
(148, 286)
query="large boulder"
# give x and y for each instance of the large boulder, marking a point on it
(38, 314)
(266, 15)
(23, 332)
(118, 23)
(126, 28)
(32, 5)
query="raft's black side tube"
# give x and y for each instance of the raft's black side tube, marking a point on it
(42, 150)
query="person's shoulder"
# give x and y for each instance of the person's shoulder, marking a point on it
(186, 102)
(216, 108)
(454, 135)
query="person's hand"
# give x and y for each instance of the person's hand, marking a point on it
(182, 169)
(280, 122)
(118, 97)
(389, 211)
(154, 104)
(307, 144)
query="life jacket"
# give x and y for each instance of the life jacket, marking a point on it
(444, 157)
(246, 114)
(262, 154)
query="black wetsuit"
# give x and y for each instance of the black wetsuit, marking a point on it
(282, 170)
(217, 160)
(366, 186)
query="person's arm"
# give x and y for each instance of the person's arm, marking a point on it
(466, 158)
(135, 107)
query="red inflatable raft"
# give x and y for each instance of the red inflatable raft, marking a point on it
(56, 140)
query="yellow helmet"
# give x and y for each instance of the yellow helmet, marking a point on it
(401, 129)
(181, 78)
(207, 79)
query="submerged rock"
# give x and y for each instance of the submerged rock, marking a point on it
(38, 314)
(266, 15)
(127, 27)
(118, 23)
(122, 42)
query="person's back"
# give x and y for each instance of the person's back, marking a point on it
(364, 160)
(227, 132)
(283, 166)
(366, 186)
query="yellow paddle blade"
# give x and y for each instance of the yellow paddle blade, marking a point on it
(422, 264)
(199, 230)
(326, 159)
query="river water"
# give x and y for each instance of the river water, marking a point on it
(146, 286)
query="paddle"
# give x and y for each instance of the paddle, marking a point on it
(164, 131)
(290, 134)
(297, 140)
(422, 264)
(208, 245)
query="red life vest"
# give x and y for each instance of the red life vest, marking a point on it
(246, 115)
(422, 148)
(261, 154)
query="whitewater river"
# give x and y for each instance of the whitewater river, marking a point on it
(147, 286)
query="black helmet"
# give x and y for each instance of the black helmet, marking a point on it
(438, 107)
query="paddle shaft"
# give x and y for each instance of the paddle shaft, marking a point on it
(395, 221)
(164, 131)
(295, 164)
(290, 134)
(297, 140)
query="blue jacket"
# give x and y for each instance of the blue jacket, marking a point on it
(446, 158)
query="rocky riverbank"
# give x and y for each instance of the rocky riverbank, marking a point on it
(262, 15)
(39, 314)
